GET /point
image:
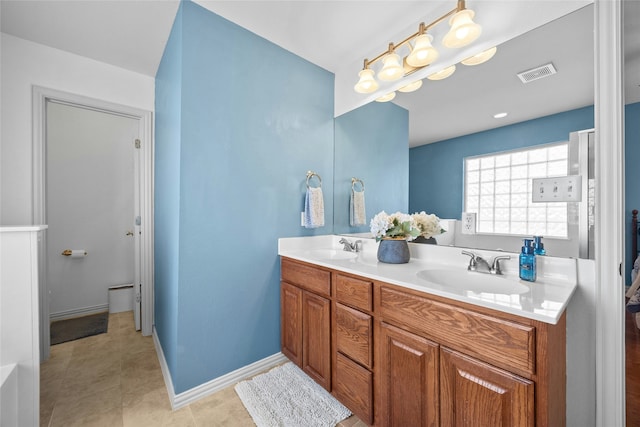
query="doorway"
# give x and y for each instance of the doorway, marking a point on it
(91, 208)
(98, 196)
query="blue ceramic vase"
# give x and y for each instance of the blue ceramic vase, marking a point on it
(393, 251)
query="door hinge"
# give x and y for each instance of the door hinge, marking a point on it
(137, 143)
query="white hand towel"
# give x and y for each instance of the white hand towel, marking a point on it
(357, 214)
(314, 208)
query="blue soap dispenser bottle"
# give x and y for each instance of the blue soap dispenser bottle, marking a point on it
(538, 246)
(528, 262)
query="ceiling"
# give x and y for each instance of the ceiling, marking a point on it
(132, 34)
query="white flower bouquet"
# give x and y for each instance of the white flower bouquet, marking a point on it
(405, 226)
(429, 224)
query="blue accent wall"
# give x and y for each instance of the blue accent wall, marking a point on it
(632, 176)
(253, 118)
(436, 170)
(371, 144)
(168, 104)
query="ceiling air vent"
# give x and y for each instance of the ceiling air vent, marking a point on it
(537, 73)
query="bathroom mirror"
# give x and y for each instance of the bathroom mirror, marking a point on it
(465, 103)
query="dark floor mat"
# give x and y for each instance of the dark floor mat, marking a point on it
(79, 327)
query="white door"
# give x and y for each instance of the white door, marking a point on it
(92, 203)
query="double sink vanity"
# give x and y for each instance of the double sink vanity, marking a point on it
(427, 343)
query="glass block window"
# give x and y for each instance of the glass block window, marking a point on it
(497, 188)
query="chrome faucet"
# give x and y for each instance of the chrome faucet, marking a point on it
(351, 247)
(495, 267)
(481, 265)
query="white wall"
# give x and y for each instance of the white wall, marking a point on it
(24, 64)
(19, 324)
(581, 348)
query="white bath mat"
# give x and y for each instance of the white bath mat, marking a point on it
(286, 397)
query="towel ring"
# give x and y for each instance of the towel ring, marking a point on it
(311, 174)
(355, 181)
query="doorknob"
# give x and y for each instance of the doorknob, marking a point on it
(129, 233)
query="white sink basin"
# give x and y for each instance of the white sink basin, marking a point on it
(473, 281)
(330, 254)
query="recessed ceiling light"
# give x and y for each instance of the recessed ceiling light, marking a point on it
(499, 115)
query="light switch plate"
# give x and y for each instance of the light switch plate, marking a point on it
(558, 189)
(468, 223)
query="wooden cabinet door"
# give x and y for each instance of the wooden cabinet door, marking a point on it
(408, 379)
(473, 393)
(353, 386)
(291, 322)
(316, 338)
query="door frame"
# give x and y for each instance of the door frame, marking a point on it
(610, 236)
(40, 96)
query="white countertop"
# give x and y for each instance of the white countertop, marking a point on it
(544, 300)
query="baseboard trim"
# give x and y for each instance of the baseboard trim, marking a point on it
(165, 368)
(187, 397)
(78, 312)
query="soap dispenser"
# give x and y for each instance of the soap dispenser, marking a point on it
(528, 262)
(538, 246)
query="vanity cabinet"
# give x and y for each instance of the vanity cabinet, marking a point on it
(353, 344)
(400, 357)
(469, 365)
(306, 319)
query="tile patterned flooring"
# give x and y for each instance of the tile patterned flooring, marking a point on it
(114, 379)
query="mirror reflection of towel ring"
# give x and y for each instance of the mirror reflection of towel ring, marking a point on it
(310, 175)
(355, 181)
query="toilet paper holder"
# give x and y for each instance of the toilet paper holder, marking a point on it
(69, 252)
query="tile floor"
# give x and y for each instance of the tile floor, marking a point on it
(114, 379)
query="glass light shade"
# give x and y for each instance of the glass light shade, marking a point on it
(387, 97)
(367, 83)
(442, 74)
(411, 87)
(423, 52)
(463, 30)
(481, 57)
(391, 70)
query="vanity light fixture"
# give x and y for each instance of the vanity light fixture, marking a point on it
(421, 52)
(411, 87)
(442, 74)
(387, 97)
(391, 70)
(481, 57)
(463, 30)
(367, 83)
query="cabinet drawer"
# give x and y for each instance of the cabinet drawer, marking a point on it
(501, 342)
(307, 277)
(354, 292)
(354, 334)
(353, 386)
